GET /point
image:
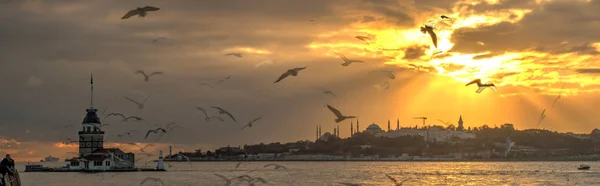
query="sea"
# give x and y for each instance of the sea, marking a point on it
(333, 173)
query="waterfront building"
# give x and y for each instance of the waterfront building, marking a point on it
(433, 134)
(92, 154)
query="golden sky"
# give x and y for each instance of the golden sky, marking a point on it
(529, 49)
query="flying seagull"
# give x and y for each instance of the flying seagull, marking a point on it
(276, 166)
(444, 17)
(292, 72)
(390, 74)
(223, 111)
(208, 85)
(338, 114)
(558, 97)
(542, 117)
(157, 39)
(152, 179)
(445, 122)
(140, 105)
(263, 63)
(325, 91)
(381, 87)
(137, 118)
(396, 181)
(234, 54)
(227, 180)
(146, 76)
(157, 130)
(365, 39)
(429, 29)
(256, 180)
(142, 12)
(346, 60)
(207, 117)
(221, 81)
(349, 184)
(482, 86)
(250, 123)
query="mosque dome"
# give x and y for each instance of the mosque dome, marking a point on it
(595, 132)
(374, 128)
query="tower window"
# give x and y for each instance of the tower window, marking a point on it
(107, 163)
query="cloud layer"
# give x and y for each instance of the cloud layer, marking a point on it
(530, 49)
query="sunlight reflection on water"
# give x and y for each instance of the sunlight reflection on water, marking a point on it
(328, 173)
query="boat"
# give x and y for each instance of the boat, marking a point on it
(583, 167)
(50, 159)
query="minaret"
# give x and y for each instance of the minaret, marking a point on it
(91, 137)
(338, 131)
(351, 128)
(460, 124)
(320, 131)
(317, 133)
(389, 125)
(161, 163)
(398, 124)
(334, 131)
(357, 127)
(170, 151)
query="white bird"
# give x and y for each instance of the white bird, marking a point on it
(208, 118)
(146, 76)
(396, 181)
(542, 117)
(381, 87)
(140, 105)
(482, 86)
(263, 63)
(147, 179)
(239, 55)
(276, 166)
(509, 145)
(250, 123)
(346, 60)
(141, 12)
(227, 180)
(339, 116)
(290, 72)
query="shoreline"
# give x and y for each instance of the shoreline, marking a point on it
(500, 160)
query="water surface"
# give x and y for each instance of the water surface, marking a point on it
(328, 173)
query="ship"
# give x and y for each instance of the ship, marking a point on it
(50, 159)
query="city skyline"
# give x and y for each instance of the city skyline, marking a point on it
(529, 49)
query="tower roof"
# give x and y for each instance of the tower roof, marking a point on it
(91, 116)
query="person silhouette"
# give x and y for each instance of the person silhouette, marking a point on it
(6, 166)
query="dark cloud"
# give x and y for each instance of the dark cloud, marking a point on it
(588, 70)
(414, 52)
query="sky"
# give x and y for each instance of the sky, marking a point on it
(529, 49)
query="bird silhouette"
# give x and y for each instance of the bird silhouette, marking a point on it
(141, 12)
(290, 72)
(239, 55)
(325, 91)
(140, 105)
(125, 119)
(365, 39)
(263, 63)
(444, 17)
(157, 130)
(250, 123)
(445, 122)
(158, 39)
(390, 74)
(223, 111)
(542, 117)
(256, 180)
(147, 179)
(146, 76)
(558, 97)
(208, 85)
(221, 81)
(227, 180)
(208, 118)
(276, 166)
(429, 29)
(482, 86)
(339, 116)
(396, 181)
(347, 61)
